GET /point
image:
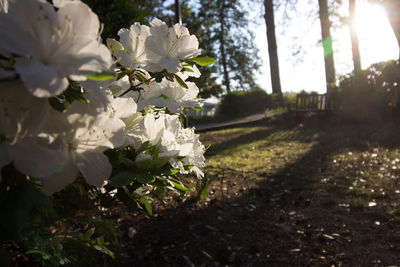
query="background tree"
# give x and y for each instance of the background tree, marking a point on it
(226, 28)
(272, 47)
(354, 37)
(393, 11)
(222, 36)
(330, 73)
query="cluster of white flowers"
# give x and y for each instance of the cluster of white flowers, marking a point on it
(52, 54)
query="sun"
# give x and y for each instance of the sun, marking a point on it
(377, 40)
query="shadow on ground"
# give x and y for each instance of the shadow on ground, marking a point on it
(315, 210)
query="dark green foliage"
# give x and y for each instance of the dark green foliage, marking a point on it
(374, 91)
(117, 14)
(26, 215)
(241, 103)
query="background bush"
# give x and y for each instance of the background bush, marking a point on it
(371, 93)
(241, 103)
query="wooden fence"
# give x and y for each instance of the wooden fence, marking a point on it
(312, 102)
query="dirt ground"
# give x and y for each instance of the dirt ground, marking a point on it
(289, 217)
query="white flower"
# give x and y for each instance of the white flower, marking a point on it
(169, 94)
(173, 142)
(4, 6)
(114, 46)
(195, 72)
(89, 132)
(149, 129)
(172, 45)
(26, 139)
(125, 109)
(193, 155)
(53, 46)
(131, 51)
(120, 86)
(196, 157)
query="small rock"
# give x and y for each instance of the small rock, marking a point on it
(131, 232)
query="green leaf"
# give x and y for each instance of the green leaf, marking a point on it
(88, 234)
(104, 250)
(203, 189)
(122, 179)
(173, 171)
(128, 163)
(197, 108)
(169, 76)
(203, 61)
(143, 178)
(181, 82)
(58, 103)
(179, 186)
(158, 77)
(144, 146)
(147, 205)
(37, 199)
(125, 197)
(187, 69)
(141, 78)
(189, 167)
(102, 76)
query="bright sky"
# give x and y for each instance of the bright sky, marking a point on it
(305, 70)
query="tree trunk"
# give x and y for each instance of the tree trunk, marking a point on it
(178, 16)
(272, 47)
(327, 45)
(393, 11)
(222, 45)
(354, 38)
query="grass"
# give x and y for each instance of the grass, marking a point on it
(256, 151)
(347, 170)
(361, 160)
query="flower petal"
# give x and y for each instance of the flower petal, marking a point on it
(40, 80)
(95, 167)
(59, 180)
(36, 160)
(80, 14)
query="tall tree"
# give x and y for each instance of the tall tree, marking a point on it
(393, 11)
(327, 44)
(225, 27)
(354, 37)
(178, 16)
(222, 45)
(272, 47)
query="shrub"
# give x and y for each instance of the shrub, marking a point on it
(374, 91)
(239, 103)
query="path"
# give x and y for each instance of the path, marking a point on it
(238, 121)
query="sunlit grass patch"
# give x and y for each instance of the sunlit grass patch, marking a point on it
(256, 152)
(345, 167)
